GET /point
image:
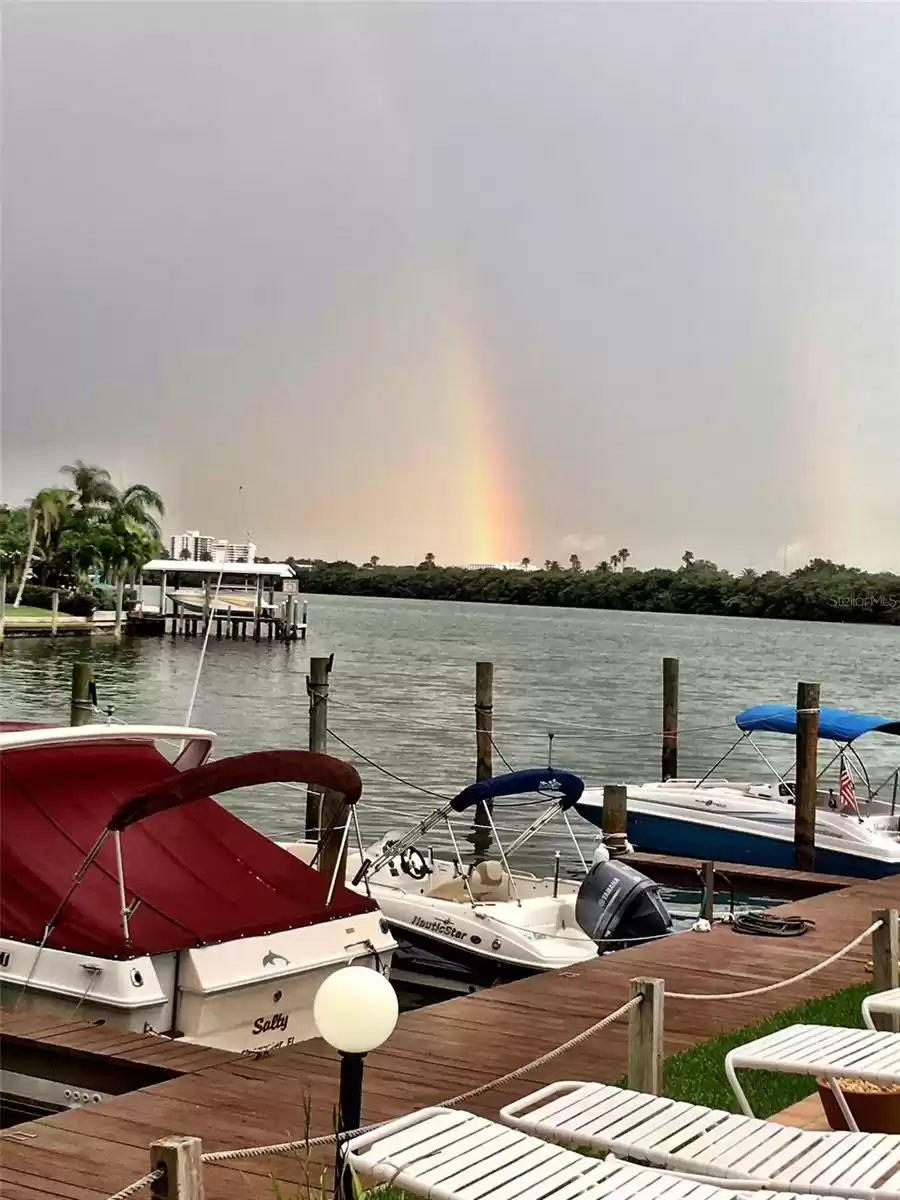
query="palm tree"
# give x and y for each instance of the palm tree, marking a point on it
(624, 555)
(136, 507)
(574, 562)
(429, 559)
(45, 513)
(614, 561)
(687, 558)
(526, 562)
(547, 564)
(374, 561)
(92, 485)
(554, 565)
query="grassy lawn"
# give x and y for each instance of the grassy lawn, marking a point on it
(698, 1075)
(38, 614)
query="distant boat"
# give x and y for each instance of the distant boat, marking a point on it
(193, 600)
(754, 823)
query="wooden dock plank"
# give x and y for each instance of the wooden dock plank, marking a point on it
(439, 1052)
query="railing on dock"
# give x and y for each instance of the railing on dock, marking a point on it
(177, 1162)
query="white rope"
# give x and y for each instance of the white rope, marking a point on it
(771, 987)
(307, 1142)
(134, 1188)
(209, 622)
(303, 1143)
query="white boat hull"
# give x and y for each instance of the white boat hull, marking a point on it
(249, 997)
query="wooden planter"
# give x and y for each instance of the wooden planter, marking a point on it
(874, 1112)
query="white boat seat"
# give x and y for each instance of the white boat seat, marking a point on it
(489, 881)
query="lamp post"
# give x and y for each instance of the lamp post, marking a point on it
(355, 1011)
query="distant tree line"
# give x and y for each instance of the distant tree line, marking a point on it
(820, 591)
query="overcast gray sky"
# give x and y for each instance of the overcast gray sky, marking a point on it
(486, 280)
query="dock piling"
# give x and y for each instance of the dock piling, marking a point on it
(615, 818)
(484, 756)
(886, 961)
(179, 1158)
(303, 622)
(82, 709)
(54, 613)
(120, 605)
(670, 719)
(2, 605)
(805, 786)
(645, 1037)
(317, 690)
(709, 890)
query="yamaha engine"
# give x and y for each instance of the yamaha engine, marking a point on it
(617, 906)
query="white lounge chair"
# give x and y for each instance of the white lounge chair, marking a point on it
(443, 1154)
(706, 1141)
(887, 1003)
(831, 1051)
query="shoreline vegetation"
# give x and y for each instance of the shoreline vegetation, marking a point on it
(820, 591)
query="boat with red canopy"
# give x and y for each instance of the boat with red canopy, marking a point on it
(132, 896)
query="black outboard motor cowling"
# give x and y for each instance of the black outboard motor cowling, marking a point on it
(617, 906)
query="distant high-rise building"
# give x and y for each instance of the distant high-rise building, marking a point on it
(199, 547)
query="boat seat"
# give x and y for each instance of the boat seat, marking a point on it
(451, 889)
(489, 881)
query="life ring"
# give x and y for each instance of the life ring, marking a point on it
(413, 864)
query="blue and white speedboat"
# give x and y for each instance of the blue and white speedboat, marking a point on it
(728, 821)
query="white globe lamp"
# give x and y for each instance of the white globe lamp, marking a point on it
(355, 1011)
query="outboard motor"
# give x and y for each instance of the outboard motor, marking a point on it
(617, 906)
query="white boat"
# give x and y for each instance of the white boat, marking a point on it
(742, 822)
(132, 897)
(193, 600)
(486, 923)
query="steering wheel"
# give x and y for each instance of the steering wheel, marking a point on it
(413, 864)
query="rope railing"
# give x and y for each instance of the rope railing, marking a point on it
(307, 1143)
(771, 987)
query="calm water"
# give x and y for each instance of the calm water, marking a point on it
(403, 682)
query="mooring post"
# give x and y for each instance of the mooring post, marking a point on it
(615, 818)
(304, 622)
(120, 605)
(670, 719)
(82, 708)
(806, 782)
(162, 594)
(179, 1158)
(2, 605)
(317, 690)
(709, 890)
(257, 609)
(484, 753)
(886, 962)
(645, 1037)
(54, 613)
(207, 610)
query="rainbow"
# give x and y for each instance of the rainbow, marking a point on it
(490, 498)
(483, 518)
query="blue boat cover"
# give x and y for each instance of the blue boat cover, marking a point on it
(543, 779)
(836, 724)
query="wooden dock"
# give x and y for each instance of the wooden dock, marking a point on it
(231, 1101)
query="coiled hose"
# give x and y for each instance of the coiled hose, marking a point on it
(765, 925)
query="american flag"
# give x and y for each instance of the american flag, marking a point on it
(847, 791)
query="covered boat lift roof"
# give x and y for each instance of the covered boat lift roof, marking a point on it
(190, 566)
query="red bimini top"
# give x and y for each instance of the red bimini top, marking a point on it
(201, 875)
